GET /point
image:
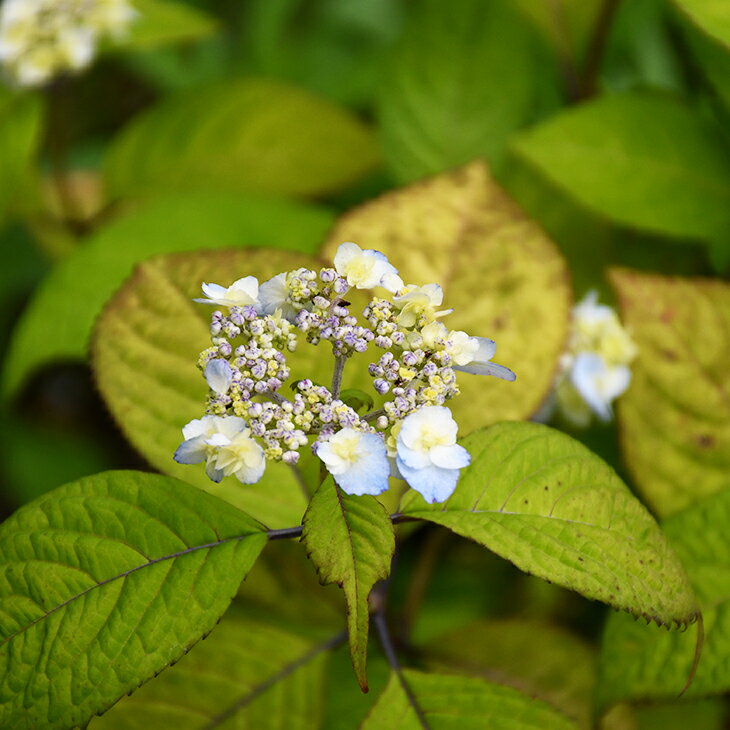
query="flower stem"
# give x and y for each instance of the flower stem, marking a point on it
(337, 376)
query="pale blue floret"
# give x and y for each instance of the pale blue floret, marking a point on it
(599, 383)
(218, 375)
(481, 364)
(433, 483)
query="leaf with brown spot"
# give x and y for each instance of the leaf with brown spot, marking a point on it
(504, 277)
(675, 417)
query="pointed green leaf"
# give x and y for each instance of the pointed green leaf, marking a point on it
(535, 657)
(246, 674)
(351, 542)
(675, 417)
(640, 661)
(467, 703)
(499, 271)
(144, 355)
(257, 135)
(78, 287)
(105, 582)
(466, 75)
(545, 502)
(642, 159)
(161, 22)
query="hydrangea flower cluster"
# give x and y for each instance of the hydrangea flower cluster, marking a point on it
(249, 419)
(42, 38)
(595, 369)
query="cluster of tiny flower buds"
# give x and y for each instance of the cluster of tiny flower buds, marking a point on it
(249, 420)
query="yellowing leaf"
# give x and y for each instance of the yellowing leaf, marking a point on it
(144, 354)
(503, 276)
(675, 417)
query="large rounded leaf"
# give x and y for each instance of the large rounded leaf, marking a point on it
(144, 356)
(502, 275)
(640, 661)
(675, 417)
(445, 702)
(710, 16)
(79, 286)
(104, 583)
(545, 502)
(260, 136)
(619, 155)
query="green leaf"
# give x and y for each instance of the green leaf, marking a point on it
(351, 542)
(257, 135)
(245, 674)
(499, 271)
(644, 662)
(675, 417)
(545, 502)
(465, 76)
(712, 17)
(144, 354)
(78, 288)
(466, 703)
(162, 22)
(706, 714)
(535, 657)
(620, 155)
(105, 582)
(357, 399)
(20, 130)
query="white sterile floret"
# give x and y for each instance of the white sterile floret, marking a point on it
(599, 383)
(42, 38)
(274, 296)
(218, 375)
(239, 456)
(480, 363)
(201, 442)
(366, 269)
(243, 292)
(416, 302)
(358, 461)
(427, 455)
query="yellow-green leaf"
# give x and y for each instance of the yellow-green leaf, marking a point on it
(710, 16)
(161, 22)
(503, 276)
(548, 504)
(144, 353)
(675, 417)
(351, 542)
(258, 135)
(640, 661)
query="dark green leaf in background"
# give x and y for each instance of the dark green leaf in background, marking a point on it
(254, 136)
(57, 323)
(104, 583)
(545, 502)
(351, 542)
(466, 75)
(619, 155)
(640, 661)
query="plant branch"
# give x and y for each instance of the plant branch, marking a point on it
(589, 83)
(285, 533)
(337, 376)
(373, 415)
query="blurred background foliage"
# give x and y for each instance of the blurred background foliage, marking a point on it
(238, 123)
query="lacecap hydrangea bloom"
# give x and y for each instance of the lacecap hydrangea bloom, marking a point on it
(595, 369)
(40, 39)
(250, 418)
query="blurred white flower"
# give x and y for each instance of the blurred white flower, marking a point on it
(427, 455)
(243, 292)
(358, 461)
(42, 38)
(366, 269)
